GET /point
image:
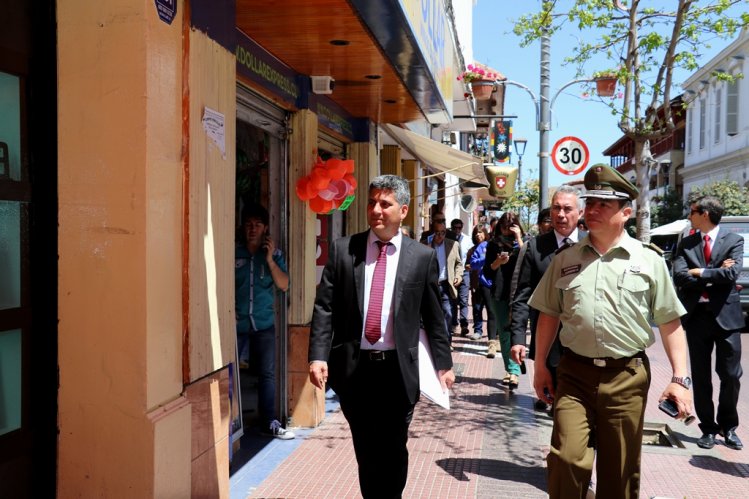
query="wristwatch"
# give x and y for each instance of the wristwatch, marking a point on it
(686, 381)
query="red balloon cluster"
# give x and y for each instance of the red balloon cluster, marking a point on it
(328, 185)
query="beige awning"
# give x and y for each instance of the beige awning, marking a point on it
(438, 156)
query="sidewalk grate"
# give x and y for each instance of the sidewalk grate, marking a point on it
(660, 435)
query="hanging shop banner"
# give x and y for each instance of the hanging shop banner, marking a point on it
(259, 66)
(501, 180)
(500, 140)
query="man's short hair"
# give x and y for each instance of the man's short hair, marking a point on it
(397, 185)
(254, 210)
(713, 206)
(568, 189)
(456, 221)
(544, 216)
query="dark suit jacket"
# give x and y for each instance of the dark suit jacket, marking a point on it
(338, 317)
(720, 284)
(537, 258)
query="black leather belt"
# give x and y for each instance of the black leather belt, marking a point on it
(378, 355)
(609, 362)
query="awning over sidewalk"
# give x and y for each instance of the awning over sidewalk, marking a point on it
(439, 156)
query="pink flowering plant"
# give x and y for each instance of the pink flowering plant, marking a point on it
(475, 72)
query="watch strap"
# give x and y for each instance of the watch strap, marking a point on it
(684, 381)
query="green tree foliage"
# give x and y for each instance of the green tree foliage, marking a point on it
(668, 209)
(644, 42)
(735, 198)
(524, 202)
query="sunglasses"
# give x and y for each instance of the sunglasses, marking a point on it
(440, 233)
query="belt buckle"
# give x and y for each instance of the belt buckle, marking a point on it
(599, 362)
(376, 355)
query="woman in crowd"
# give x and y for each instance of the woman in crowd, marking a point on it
(501, 256)
(475, 260)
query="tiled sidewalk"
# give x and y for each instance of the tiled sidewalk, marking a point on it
(493, 444)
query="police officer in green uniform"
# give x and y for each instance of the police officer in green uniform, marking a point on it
(605, 290)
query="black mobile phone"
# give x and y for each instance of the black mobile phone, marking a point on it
(669, 407)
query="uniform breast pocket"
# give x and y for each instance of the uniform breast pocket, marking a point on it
(633, 289)
(572, 294)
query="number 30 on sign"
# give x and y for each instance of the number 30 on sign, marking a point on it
(570, 155)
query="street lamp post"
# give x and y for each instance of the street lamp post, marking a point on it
(544, 110)
(520, 150)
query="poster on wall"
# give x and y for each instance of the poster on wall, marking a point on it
(213, 124)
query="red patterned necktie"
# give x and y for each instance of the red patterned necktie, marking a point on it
(372, 328)
(707, 252)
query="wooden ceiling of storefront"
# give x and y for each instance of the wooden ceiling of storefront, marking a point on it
(299, 34)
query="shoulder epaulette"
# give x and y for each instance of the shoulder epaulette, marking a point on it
(563, 247)
(653, 247)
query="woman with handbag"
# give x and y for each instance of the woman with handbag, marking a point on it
(501, 256)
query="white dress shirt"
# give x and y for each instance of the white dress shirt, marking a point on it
(387, 340)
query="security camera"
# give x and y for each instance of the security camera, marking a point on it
(322, 85)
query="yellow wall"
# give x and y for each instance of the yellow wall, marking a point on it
(212, 326)
(125, 428)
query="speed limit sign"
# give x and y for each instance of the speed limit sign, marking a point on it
(570, 155)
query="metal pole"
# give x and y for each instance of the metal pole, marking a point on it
(520, 171)
(544, 121)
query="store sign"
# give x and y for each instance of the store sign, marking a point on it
(256, 64)
(501, 180)
(431, 29)
(166, 9)
(332, 117)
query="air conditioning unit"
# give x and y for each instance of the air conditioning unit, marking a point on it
(322, 85)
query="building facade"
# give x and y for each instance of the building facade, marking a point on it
(717, 132)
(131, 135)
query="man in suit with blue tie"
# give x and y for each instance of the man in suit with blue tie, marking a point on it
(375, 289)
(705, 270)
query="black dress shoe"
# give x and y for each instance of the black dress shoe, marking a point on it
(706, 441)
(732, 440)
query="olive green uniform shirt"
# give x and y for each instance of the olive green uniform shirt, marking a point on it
(606, 302)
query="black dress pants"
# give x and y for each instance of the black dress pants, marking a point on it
(379, 414)
(704, 333)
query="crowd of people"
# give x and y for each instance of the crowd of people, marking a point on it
(581, 299)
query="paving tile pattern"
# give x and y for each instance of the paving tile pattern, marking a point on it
(493, 444)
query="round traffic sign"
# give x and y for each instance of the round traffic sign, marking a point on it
(570, 155)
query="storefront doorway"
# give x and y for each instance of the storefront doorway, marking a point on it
(261, 177)
(28, 250)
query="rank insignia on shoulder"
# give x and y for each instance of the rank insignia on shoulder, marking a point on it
(654, 247)
(572, 269)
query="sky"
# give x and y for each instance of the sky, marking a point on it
(495, 45)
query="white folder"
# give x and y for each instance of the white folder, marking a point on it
(429, 381)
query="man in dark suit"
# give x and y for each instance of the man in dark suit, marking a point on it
(565, 211)
(705, 270)
(371, 356)
(451, 270)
